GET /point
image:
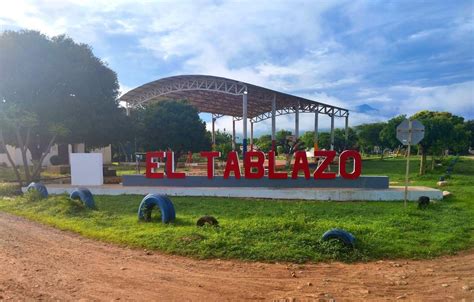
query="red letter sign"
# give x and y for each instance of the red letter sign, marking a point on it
(232, 165)
(272, 174)
(170, 173)
(301, 163)
(249, 164)
(210, 161)
(328, 158)
(357, 164)
(150, 164)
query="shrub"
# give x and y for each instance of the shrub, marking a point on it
(7, 189)
(33, 196)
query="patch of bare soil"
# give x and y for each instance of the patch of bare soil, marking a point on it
(42, 263)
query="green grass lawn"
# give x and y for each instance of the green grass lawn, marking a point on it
(7, 175)
(279, 230)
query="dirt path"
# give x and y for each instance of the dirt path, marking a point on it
(39, 262)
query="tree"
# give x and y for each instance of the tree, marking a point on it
(340, 143)
(264, 143)
(469, 125)
(308, 139)
(290, 147)
(369, 135)
(69, 94)
(281, 135)
(223, 137)
(173, 125)
(223, 143)
(443, 131)
(280, 140)
(324, 139)
(388, 134)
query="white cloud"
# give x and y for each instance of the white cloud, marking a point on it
(456, 98)
(287, 46)
(223, 40)
(124, 89)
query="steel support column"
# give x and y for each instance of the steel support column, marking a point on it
(274, 123)
(244, 123)
(213, 132)
(251, 135)
(316, 134)
(332, 130)
(127, 108)
(346, 137)
(297, 122)
(233, 134)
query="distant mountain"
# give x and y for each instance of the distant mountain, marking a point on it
(364, 108)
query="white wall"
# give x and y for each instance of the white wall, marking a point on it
(86, 169)
(16, 154)
(106, 153)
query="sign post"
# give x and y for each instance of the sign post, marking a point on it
(409, 132)
(407, 172)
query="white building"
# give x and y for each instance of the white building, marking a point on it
(75, 148)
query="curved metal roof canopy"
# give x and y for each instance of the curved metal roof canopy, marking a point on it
(221, 96)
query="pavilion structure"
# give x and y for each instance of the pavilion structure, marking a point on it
(243, 101)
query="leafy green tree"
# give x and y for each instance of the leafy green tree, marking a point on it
(443, 131)
(223, 137)
(264, 142)
(173, 125)
(223, 143)
(469, 125)
(281, 141)
(308, 139)
(224, 149)
(289, 147)
(369, 135)
(324, 140)
(388, 134)
(69, 94)
(340, 144)
(281, 135)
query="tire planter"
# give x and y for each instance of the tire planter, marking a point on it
(37, 186)
(343, 236)
(423, 202)
(151, 201)
(210, 220)
(84, 195)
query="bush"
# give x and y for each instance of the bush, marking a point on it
(7, 189)
(336, 250)
(33, 196)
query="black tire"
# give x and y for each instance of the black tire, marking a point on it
(343, 236)
(41, 188)
(151, 201)
(84, 195)
(209, 220)
(423, 202)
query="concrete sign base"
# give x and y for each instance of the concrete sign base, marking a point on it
(324, 194)
(366, 182)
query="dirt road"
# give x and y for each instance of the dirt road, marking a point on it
(41, 263)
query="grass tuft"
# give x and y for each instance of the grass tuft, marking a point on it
(9, 189)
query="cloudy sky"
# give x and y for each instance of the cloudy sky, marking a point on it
(377, 58)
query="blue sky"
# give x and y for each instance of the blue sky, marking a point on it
(397, 57)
